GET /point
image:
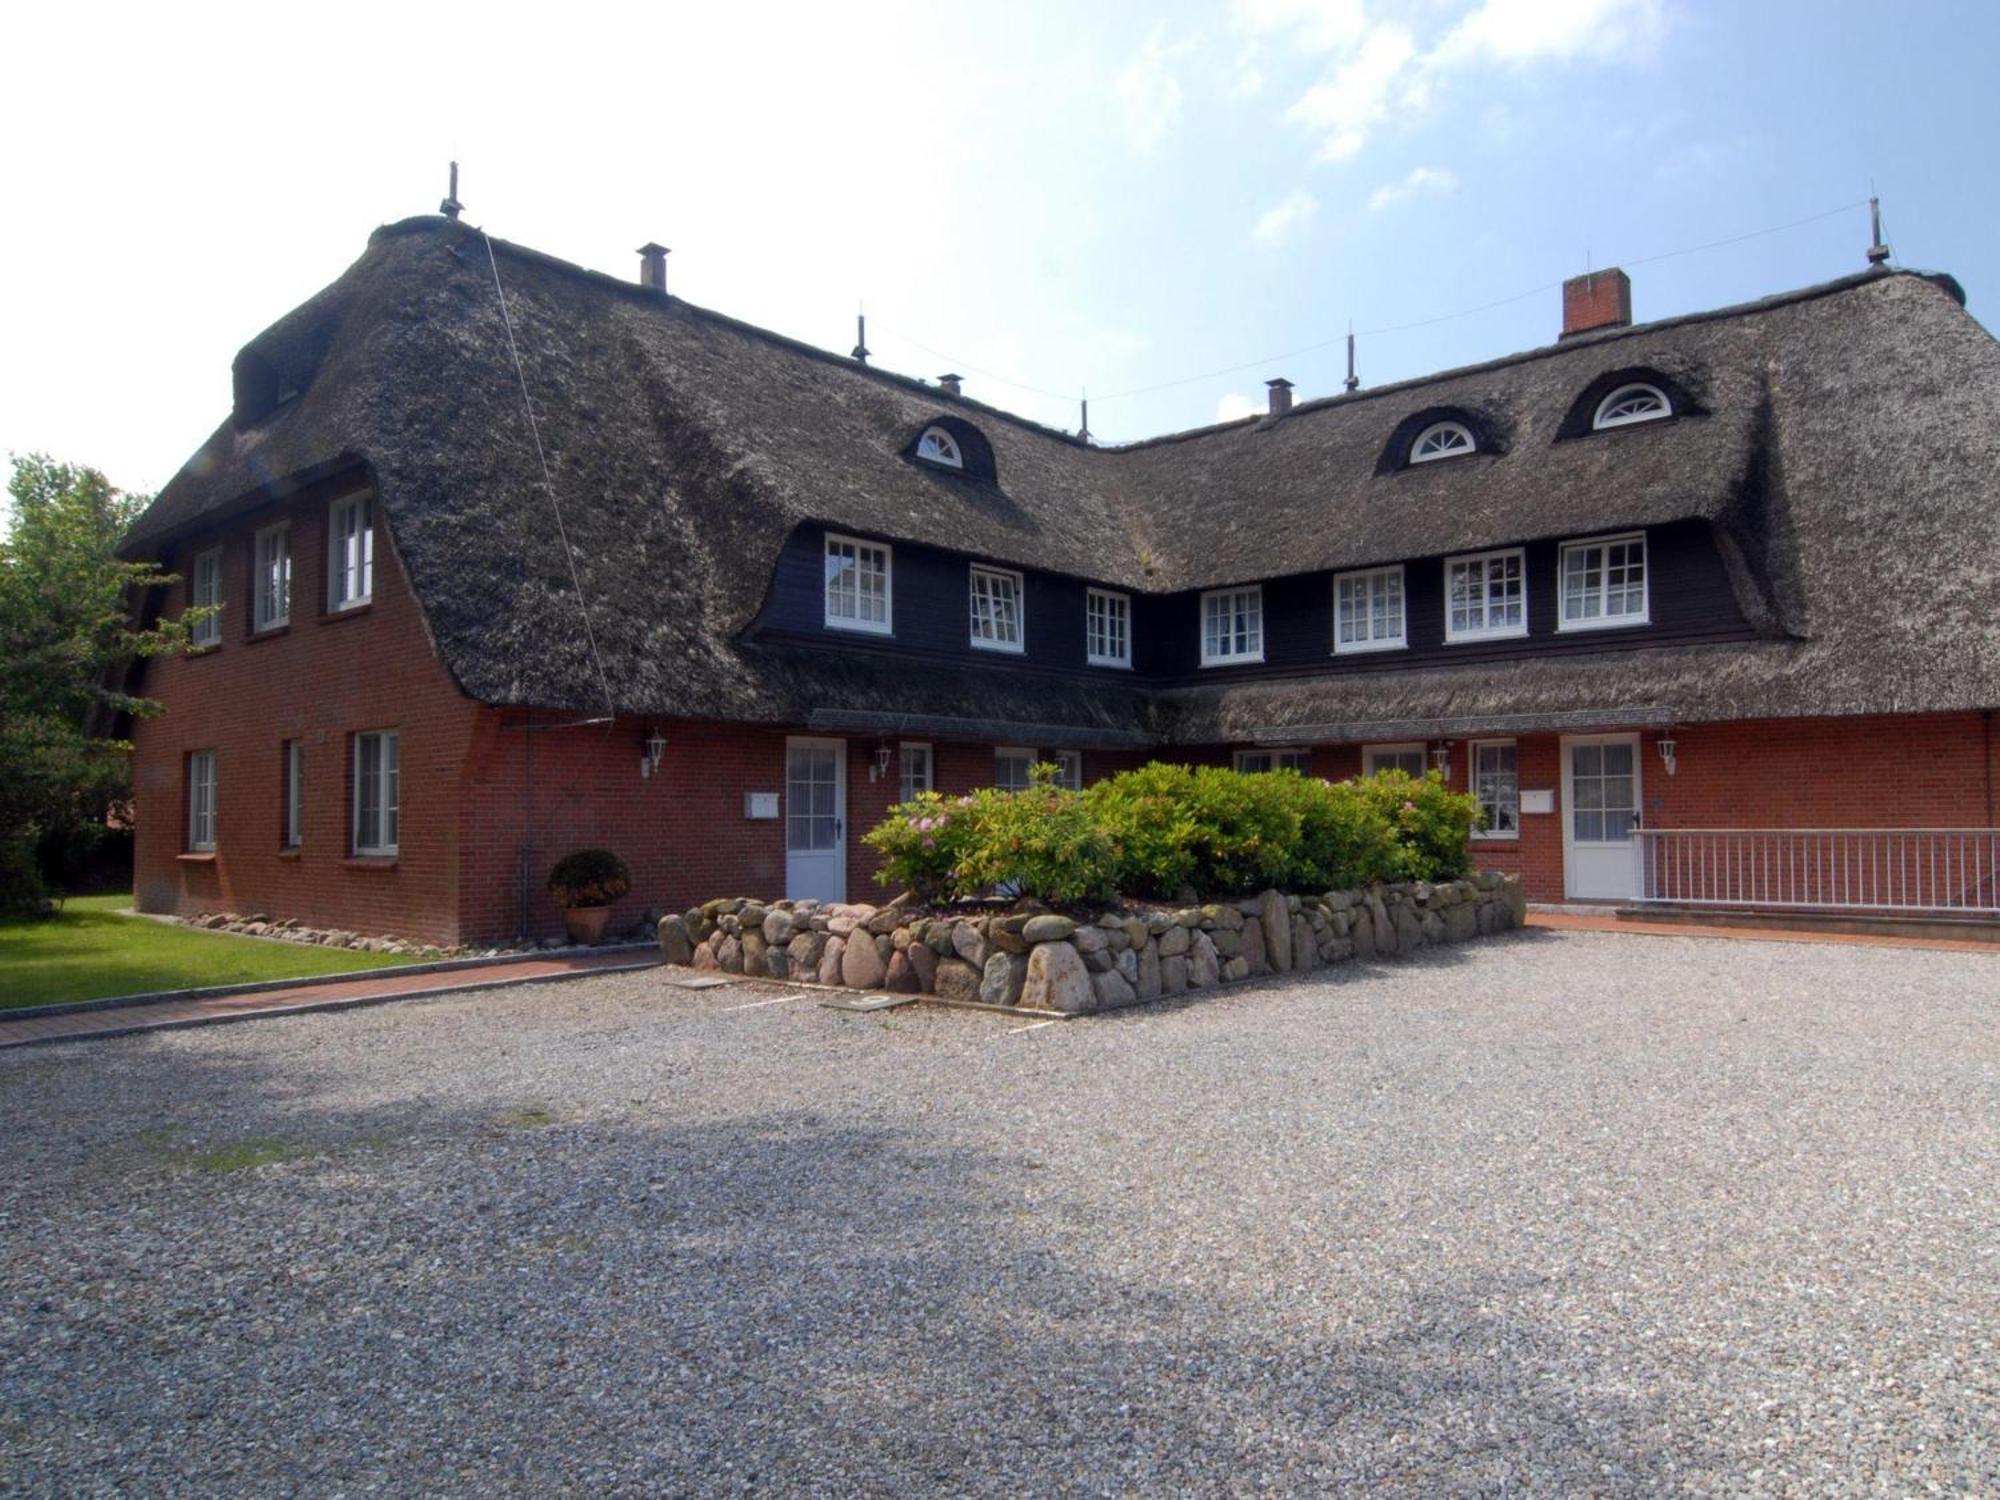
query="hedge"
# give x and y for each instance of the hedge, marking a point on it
(1165, 830)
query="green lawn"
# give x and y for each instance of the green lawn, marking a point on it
(90, 951)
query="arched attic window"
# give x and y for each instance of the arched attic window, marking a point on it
(937, 446)
(1632, 403)
(1443, 440)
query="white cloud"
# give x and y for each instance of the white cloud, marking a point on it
(1316, 25)
(1234, 407)
(1420, 182)
(1149, 94)
(1376, 73)
(1526, 31)
(1358, 95)
(1294, 212)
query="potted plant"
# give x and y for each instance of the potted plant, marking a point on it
(585, 884)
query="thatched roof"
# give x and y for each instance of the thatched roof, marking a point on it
(1843, 442)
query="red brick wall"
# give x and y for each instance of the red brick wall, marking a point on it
(319, 680)
(1911, 771)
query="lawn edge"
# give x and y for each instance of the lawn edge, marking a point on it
(220, 991)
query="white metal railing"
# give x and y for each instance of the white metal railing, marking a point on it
(1836, 869)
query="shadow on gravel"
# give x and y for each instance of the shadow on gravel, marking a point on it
(429, 1298)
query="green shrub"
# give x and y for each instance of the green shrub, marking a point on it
(589, 877)
(1039, 842)
(921, 842)
(1429, 824)
(1164, 829)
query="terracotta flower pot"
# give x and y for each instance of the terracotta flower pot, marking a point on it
(586, 924)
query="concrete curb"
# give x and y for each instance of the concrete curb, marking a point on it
(309, 1007)
(223, 991)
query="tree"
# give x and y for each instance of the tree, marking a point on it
(71, 627)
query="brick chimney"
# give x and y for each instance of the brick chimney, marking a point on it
(1281, 395)
(653, 266)
(954, 385)
(1599, 299)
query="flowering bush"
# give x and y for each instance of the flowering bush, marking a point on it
(920, 843)
(1165, 829)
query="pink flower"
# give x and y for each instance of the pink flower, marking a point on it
(930, 843)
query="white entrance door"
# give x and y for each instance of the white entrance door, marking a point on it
(816, 820)
(1600, 812)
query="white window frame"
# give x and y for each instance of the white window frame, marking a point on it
(1603, 621)
(295, 793)
(1485, 560)
(1117, 629)
(350, 553)
(205, 589)
(1069, 769)
(909, 756)
(1473, 774)
(201, 801)
(834, 546)
(936, 446)
(1370, 754)
(1022, 753)
(1277, 758)
(974, 574)
(271, 588)
(1600, 422)
(1368, 576)
(1439, 430)
(385, 838)
(1227, 598)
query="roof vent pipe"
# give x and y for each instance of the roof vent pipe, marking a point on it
(1878, 252)
(653, 267)
(1281, 395)
(1597, 299)
(952, 384)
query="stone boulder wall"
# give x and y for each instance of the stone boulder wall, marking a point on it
(1043, 960)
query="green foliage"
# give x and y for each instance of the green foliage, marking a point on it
(921, 842)
(1039, 842)
(69, 633)
(589, 877)
(1165, 829)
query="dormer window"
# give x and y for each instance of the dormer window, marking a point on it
(1442, 440)
(1632, 403)
(939, 447)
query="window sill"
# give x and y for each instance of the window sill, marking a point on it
(1495, 838)
(999, 646)
(346, 614)
(369, 861)
(268, 633)
(1583, 627)
(206, 650)
(203, 857)
(1473, 638)
(849, 627)
(1371, 648)
(1235, 661)
(292, 853)
(1105, 661)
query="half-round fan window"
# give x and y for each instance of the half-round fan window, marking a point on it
(1442, 440)
(937, 446)
(1632, 403)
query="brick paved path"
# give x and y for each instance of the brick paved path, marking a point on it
(328, 994)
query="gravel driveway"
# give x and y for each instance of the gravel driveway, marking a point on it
(1558, 1214)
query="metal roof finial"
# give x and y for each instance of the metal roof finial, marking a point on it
(1353, 380)
(1878, 253)
(451, 207)
(859, 354)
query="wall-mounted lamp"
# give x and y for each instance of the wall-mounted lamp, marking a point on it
(651, 756)
(881, 767)
(1441, 758)
(1667, 752)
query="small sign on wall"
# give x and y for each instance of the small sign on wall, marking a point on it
(1542, 801)
(760, 804)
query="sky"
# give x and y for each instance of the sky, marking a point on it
(1165, 205)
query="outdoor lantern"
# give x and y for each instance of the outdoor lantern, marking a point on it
(881, 766)
(1441, 757)
(1667, 748)
(656, 749)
